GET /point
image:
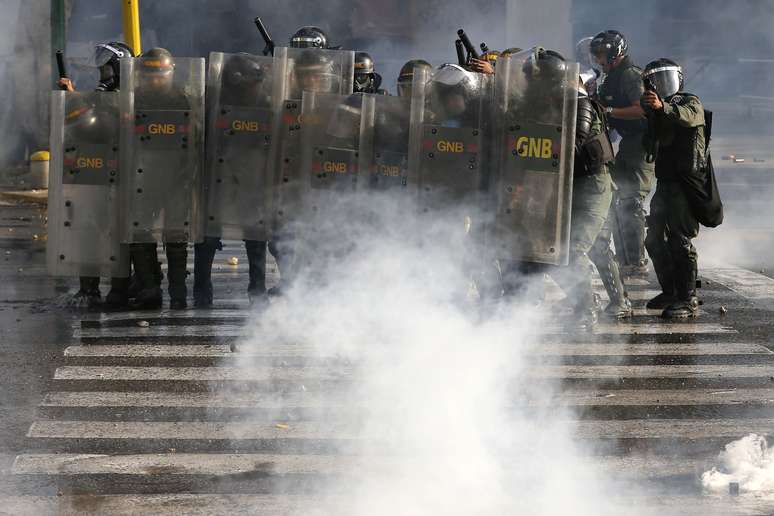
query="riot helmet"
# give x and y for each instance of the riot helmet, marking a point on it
(79, 112)
(545, 66)
(157, 68)
(452, 89)
(314, 71)
(665, 75)
(406, 75)
(607, 47)
(243, 78)
(107, 57)
(309, 37)
(366, 78)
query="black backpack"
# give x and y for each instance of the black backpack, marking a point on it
(701, 187)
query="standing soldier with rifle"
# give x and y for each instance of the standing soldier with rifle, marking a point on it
(633, 174)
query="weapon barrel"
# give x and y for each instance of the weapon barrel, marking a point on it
(460, 52)
(265, 35)
(471, 50)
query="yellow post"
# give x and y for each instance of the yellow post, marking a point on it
(131, 14)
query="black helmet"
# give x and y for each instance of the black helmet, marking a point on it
(110, 51)
(366, 78)
(309, 36)
(610, 43)
(546, 66)
(107, 57)
(406, 75)
(157, 61)
(242, 70)
(665, 75)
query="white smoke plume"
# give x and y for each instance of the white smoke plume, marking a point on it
(440, 397)
(748, 462)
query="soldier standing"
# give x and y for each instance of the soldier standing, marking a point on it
(680, 127)
(106, 58)
(632, 173)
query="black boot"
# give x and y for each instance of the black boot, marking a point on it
(661, 257)
(687, 303)
(256, 257)
(204, 254)
(118, 297)
(88, 295)
(145, 260)
(177, 256)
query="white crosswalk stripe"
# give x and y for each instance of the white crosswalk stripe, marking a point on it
(176, 421)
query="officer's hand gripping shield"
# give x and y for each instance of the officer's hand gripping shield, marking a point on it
(83, 195)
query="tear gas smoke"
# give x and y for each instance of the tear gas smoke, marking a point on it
(438, 392)
(748, 462)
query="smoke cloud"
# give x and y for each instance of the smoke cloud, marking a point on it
(438, 392)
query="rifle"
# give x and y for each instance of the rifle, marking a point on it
(460, 52)
(651, 137)
(269, 48)
(469, 48)
(60, 63)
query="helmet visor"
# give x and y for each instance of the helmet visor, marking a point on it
(103, 53)
(666, 79)
(306, 42)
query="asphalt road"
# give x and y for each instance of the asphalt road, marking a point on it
(100, 414)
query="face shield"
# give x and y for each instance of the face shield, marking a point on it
(306, 42)
(667, 80)
(104, 53)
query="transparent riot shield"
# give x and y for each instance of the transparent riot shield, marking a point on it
(448, 155)
(162, 150)
(83, 196)
(388, 162)
(336, 128)
(244, 100)
(315, 71)
(532, 183)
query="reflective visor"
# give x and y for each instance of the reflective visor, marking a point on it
(303, 42)
(666, 79)
(103, 53)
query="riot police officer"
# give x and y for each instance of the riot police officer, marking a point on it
(107, 59)
(243, 85)
(156, 91)
(632, 173)
(591, 196)
(680, 127)
(366, 78)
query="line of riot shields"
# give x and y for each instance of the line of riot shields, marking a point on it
(278, 138)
